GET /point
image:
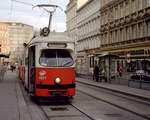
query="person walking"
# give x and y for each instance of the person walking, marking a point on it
(96, 73)
(12, 68)
(120, 71)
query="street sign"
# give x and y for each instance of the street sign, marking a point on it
(128, 57)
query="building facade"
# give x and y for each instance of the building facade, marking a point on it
(71, 21)
(12, 37)
(19, 34)
(4, 40)
(125, 31)
(87, 25)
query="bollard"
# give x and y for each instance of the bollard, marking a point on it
(140, 81)
(2, 72)
(0, 75)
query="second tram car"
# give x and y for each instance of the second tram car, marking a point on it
(47, 69)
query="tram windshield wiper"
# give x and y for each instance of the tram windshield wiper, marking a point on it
(67, 63)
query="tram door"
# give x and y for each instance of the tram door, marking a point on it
(31, 69)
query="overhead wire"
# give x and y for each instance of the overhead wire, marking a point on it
(30, 4)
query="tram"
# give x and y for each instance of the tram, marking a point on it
(47, 69)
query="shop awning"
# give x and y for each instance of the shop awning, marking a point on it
(108, 55)
(5, 56)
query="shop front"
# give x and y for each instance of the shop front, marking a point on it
(134, 59)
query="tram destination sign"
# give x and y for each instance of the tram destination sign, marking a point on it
(45, 31)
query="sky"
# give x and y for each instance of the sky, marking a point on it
(15, 11)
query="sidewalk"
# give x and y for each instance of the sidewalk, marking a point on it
(12, 104)
(124, 89)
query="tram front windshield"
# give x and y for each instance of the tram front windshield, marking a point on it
(55, 58)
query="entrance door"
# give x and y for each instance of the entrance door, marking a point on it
(31, 70)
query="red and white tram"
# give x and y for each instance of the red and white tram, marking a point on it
(47, 69)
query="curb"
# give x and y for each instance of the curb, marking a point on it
(118, 91)
(129, 109)
(23, 109)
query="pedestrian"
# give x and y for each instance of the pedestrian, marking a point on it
(120, 71)
(12, 68)
(2, 71)
(96, 73)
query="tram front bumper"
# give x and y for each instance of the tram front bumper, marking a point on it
(52, 93)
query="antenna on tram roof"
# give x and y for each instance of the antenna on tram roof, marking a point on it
(45, 31)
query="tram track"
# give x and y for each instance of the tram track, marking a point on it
(40, 111)
(64, 111)
(128, 103)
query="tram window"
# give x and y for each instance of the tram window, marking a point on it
(55, 58)
(64, 58)
(48, 58)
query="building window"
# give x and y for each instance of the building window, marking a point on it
(116, 12)
(133, 6)
(127, 33)
(121, 35)
(127, 8)
(104, 39)
(106, 36)
(106, 16)
(114, 37)
(111, 15)
(133, 31)
(101, 39)
(102, 19)
(121, 10)
(140, 4)
(148, 28)
(111, 37)
(148, 3)
(140, 30)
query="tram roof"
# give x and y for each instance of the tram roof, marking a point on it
(60, 37)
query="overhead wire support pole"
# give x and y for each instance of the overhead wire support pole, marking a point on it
(50, 19)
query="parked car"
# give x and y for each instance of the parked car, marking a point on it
(141, 74)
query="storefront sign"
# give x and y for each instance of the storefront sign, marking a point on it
(147, 51)
(128, 57)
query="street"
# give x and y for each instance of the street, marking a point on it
(89, 103)
(75, 60)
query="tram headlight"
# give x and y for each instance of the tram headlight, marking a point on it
(57, 80)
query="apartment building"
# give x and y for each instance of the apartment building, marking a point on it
(71, 21)
(87, 25)
(4, 40)
(19, 33)
(12, 37)
(125, 31)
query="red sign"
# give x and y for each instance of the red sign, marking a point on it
(128, 57)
